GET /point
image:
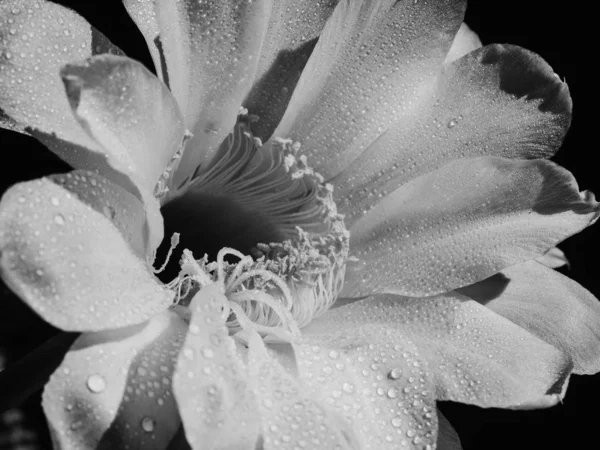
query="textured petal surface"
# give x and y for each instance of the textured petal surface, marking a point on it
(123, 209)
(292, 415)
(216, 405)
(294, 26)
(464, 42)
(499, 100)
(70, 264)
(374, 62)
(471, 354)
(376, 381)
(36, 39)
(143, 14)
(211, 53)
(113, 389)
(126, 109)
(463, 223)
(550, 306)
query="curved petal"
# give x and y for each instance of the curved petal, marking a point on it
(129, 112)
(294, 26)
(211, 53)
(464, 42)
(143, 14)
(123, 209)
(463, 223)
(292, 416)
(374, 63)
(378, 383)
(500, 100)
(113, 389)
(36, 39)
(216, 404)
(550, 306)
(447, 438)
(470, 354)
(70, 264)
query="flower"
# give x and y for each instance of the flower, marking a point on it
(436, 163)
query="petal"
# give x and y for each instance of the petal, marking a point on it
(293, 30)
(447, 438)
(550, 306)
(123, 209)
(129, 112)
(373, 64)
(217, 407)
(70, 264)
(292, 416)
(471, 354)
(37, 39)
(464, 42)
(377, 382)
(113, 388)
(463, 223)
(500, 100)
(554, 258)
(143, 14)
(211, 50)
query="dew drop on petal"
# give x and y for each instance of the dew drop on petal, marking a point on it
(148, 424)
(96, 384)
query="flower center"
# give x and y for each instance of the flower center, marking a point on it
(286, 244)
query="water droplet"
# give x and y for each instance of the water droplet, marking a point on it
(396, 422)
(59, 219)
(54, 201)
(96, 383)
(148, 424)
(348, 388)
(394, 374)
(208, 352)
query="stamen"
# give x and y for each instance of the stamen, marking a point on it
(174, 244)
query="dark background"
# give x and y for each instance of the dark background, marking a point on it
(531, 24)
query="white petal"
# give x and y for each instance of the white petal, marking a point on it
(113, 388)
(374, 63)
(463, 223)
(70, 264)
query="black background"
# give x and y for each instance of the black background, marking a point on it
(531, 24)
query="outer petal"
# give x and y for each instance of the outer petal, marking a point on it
(143, 14)
(216, 404)
(128, 111)
(211, 50)
(70, 264)
(550, 306)
(377, 382)
(373, 64)
(500, 100)
(292, 416)
(471, 354)
(463, 223)
(123, 209)
(113, 389)
(294, 26)
(36, 39)
(464, 42)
